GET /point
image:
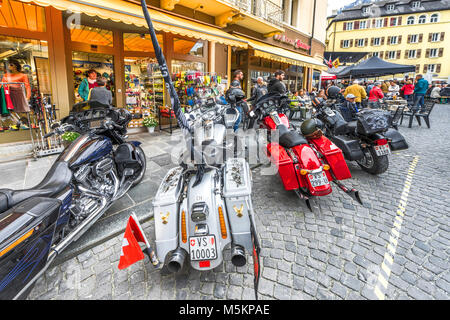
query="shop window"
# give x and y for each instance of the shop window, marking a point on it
(20, 15)
(24, 69)
(92, 36)
(140, 42)
(188, 47)
(179, 66)
(255, 61)
(83, 62)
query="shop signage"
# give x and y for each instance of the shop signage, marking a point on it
(297, 43)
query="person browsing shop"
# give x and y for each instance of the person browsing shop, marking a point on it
(87, 84)
(18, 97)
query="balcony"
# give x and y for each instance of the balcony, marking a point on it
(262, 16)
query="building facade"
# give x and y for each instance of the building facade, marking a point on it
(408, 32)
(57, 41)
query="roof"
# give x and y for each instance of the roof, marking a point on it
(401, 7)
(345, 57)
(375, 66)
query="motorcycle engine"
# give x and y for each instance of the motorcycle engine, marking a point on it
(95, 182)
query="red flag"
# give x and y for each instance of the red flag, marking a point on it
(131, 251)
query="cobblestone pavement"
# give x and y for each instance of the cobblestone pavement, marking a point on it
(335, 252)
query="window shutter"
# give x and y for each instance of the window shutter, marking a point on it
(409, 38)
(386, 54)
(406, 54)
(421, 37)
(399, 21)
(385, 22)
(442, 36)
(371, 41)
(430, 36)
(366, 42)
(425, 68)
(389, 40)
(345, 26)
(400, 40)
(399, 52)
(427, 53)
(382, 41)
(381, 55)
(441, 52)
(373, 23)
(342, 43)
(351, 43)
(417, 68)
(438, 68)
(392, 21)
(419, 53)
(356, 25)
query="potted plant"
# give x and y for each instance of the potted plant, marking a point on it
(69, 137)
(150, 122)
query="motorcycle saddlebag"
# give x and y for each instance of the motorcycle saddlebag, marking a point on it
(373, 121)
(237, 190)
(350, 147)
(165, 209)
(397, 141)
(279, 157)
(26, 234)
(334, 157)
(336, 122)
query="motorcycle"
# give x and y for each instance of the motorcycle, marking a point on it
(204, 204)
(368, 139)
(37, 224)
(306, 164)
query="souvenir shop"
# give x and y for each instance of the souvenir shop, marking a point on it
(53, 48)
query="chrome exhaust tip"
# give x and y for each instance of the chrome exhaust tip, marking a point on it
(176, 260)
(238, 256)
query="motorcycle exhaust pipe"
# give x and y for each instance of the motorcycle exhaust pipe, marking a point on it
(238, 256)
(176, 260)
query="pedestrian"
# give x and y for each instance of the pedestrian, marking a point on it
(375, 95)
(87, 84)
(322, 94)
(408, 91)
(238, 76)
(276, 84)
(358, 91)
(259, 90)
(385, 87)
(435, 93)
(394, 89)
(420, 89)
(370, 86)
(100, 93)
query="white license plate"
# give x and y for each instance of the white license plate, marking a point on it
(318, 179)
(203, 248)
(382, 150)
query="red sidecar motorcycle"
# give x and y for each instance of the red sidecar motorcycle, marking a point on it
(306, 164)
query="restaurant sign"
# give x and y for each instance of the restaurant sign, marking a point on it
(297, 43)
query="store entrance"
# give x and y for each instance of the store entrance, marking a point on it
(97, 65)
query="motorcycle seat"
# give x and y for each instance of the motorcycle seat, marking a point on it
(351, 126)
(56, 180)
(290, 138)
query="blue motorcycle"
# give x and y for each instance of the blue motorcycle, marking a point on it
(37, 224)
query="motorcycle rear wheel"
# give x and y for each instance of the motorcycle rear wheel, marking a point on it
(373, 164)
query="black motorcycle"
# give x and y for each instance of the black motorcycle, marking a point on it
(37, 224)
(368, 139)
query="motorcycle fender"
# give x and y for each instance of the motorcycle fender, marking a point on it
(166, 209)
(26, 235)
(207, 192)
(397, 141)
(237, 194)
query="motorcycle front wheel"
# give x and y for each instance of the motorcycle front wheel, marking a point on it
(373, 164)
(140, 176)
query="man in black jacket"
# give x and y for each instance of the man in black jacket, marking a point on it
(276, 84)
(259, 90)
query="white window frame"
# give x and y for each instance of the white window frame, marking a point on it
(390, 54)
(377, 43)
(394, 38)
(416, 4)
(363, 24)
(415, 37)
(366, 10)
(346, 44)
(422, 16)
(361, 43)
(436, 37)
(409, 20)
(412, 54)
(434, 15)
(349, 26)
(435, 53)
(390, 7)
(431, 68)
(379, 23)
(375, 54)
